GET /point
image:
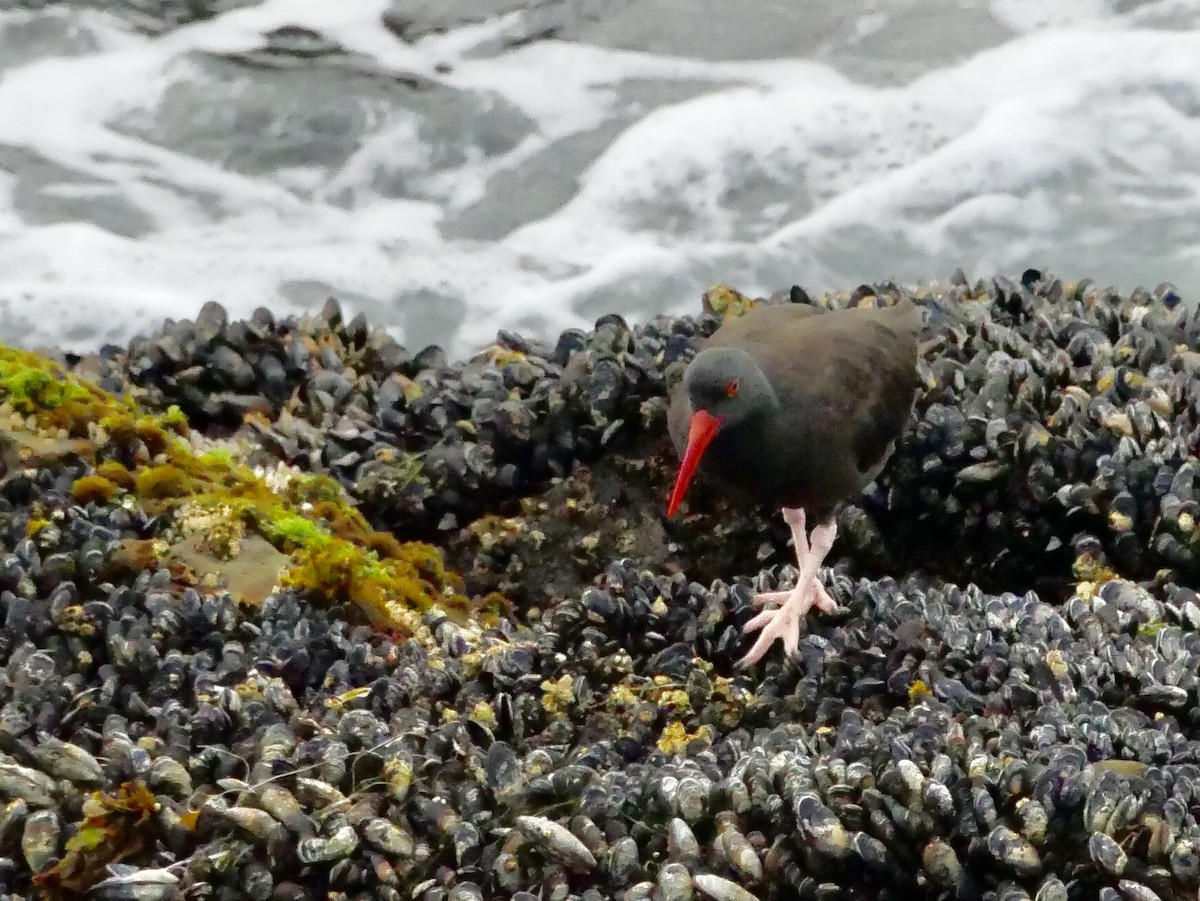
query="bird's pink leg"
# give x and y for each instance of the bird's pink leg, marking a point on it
(795, 518)
(784, 622)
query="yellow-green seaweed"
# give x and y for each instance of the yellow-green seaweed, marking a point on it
(117, 474)
(335, 555)
(94, 487)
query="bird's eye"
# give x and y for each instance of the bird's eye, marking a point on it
(731, 389)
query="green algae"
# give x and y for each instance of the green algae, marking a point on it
(217, 456)
(334, 556)
(32, 389)
(292, 531)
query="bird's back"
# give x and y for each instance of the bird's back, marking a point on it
(798, 341)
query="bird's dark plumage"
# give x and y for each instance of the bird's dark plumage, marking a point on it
(845, 382)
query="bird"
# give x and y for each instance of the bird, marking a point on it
(791, 405)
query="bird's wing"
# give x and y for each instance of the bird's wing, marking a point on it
(856, 369)
(880, 396)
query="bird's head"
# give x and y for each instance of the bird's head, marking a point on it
(725, 388)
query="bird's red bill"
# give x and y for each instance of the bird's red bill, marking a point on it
(701, 430)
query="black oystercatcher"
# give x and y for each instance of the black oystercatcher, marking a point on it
(786, 404)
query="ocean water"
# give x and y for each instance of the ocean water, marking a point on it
(452, 168)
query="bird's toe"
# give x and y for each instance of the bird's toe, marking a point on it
(790, 633)
(774, 625)
(823, 600)
(760, 620)
(769, 598)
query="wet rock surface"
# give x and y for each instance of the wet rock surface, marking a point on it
(1004, 705)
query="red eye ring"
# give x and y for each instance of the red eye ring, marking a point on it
(731, 389)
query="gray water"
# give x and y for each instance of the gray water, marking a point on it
(455, 168)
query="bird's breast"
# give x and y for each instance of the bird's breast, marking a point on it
(790, 468)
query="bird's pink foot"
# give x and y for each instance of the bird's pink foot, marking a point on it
(823, 601)
(783, 622)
